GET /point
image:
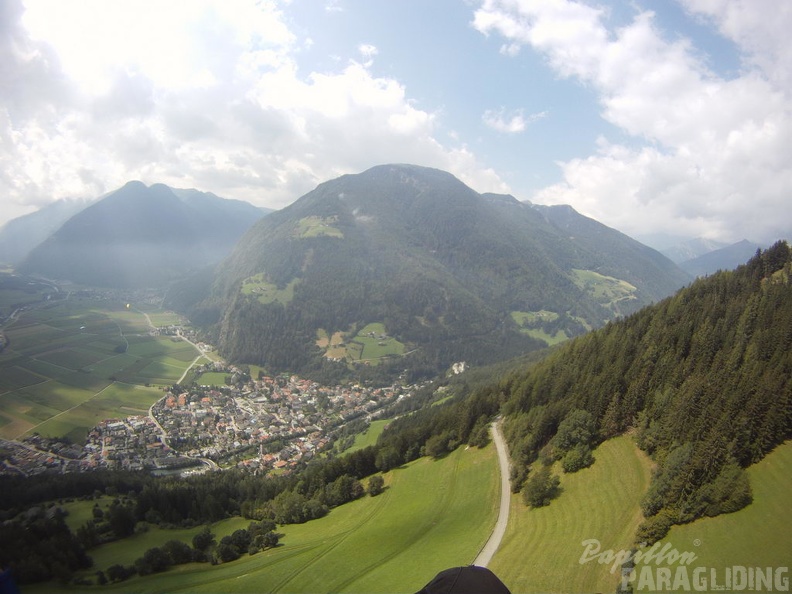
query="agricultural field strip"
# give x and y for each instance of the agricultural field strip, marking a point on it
(280, 556)
(64, 412)
(363, 528)
(77, 339)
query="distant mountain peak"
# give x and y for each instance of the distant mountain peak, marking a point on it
(724, 258)
(141, 235)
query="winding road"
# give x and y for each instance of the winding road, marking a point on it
(489, 549)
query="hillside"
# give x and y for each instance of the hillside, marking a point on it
(447, 274)
(19, 236)
(590, 507)
(704, 378)
(724, 258)
(142, 236)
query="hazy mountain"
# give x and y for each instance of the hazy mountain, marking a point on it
(452, 274)
(19, 236)
(724, 258)
(142, 236)
(692, 248)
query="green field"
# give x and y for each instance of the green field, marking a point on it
(369, 436)
(608, 291)
(213, 378)
(318, 227)
(526, 319)
(268, 292)
(756, 536)
(72, 363)
(434, 514)
(16, 291)
(370, 345)
(162, 318)
(542, 547)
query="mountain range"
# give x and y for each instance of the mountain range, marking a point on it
(19, 236)
(727, 257)
(446, 273)
(141, 236)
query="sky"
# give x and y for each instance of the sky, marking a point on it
(670, 117)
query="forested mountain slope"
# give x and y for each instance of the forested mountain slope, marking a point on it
(704, 378)
(450, 273)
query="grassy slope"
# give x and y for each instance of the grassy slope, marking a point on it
(542, 547)
(433, 515)
(369, 436)
(756, 536)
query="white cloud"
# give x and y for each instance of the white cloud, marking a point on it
(759, 27)
(368, 52)
(333, 6)
(717, 152)
(512, 123)
(207, 94)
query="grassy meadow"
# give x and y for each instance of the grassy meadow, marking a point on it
(73, 362)
(314, 226)
(433, 514)
(542, 547)
(369, 436)
(213, 378)
(370, 344)
(606, 290)
(268, 292)
(763, 527)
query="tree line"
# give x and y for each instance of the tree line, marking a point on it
(703, 377)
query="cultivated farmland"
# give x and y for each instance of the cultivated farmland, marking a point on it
(74, 362)
(369, 345)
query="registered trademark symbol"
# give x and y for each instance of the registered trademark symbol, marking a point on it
(697, 542)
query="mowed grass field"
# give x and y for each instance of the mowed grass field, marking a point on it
(369, 436)
(434, 514)
(755, 536)
(72, 363)
(542, 547)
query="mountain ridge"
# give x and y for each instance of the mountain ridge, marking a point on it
(20, 235)
(440, 265)
(141, 235)
(726, 257)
